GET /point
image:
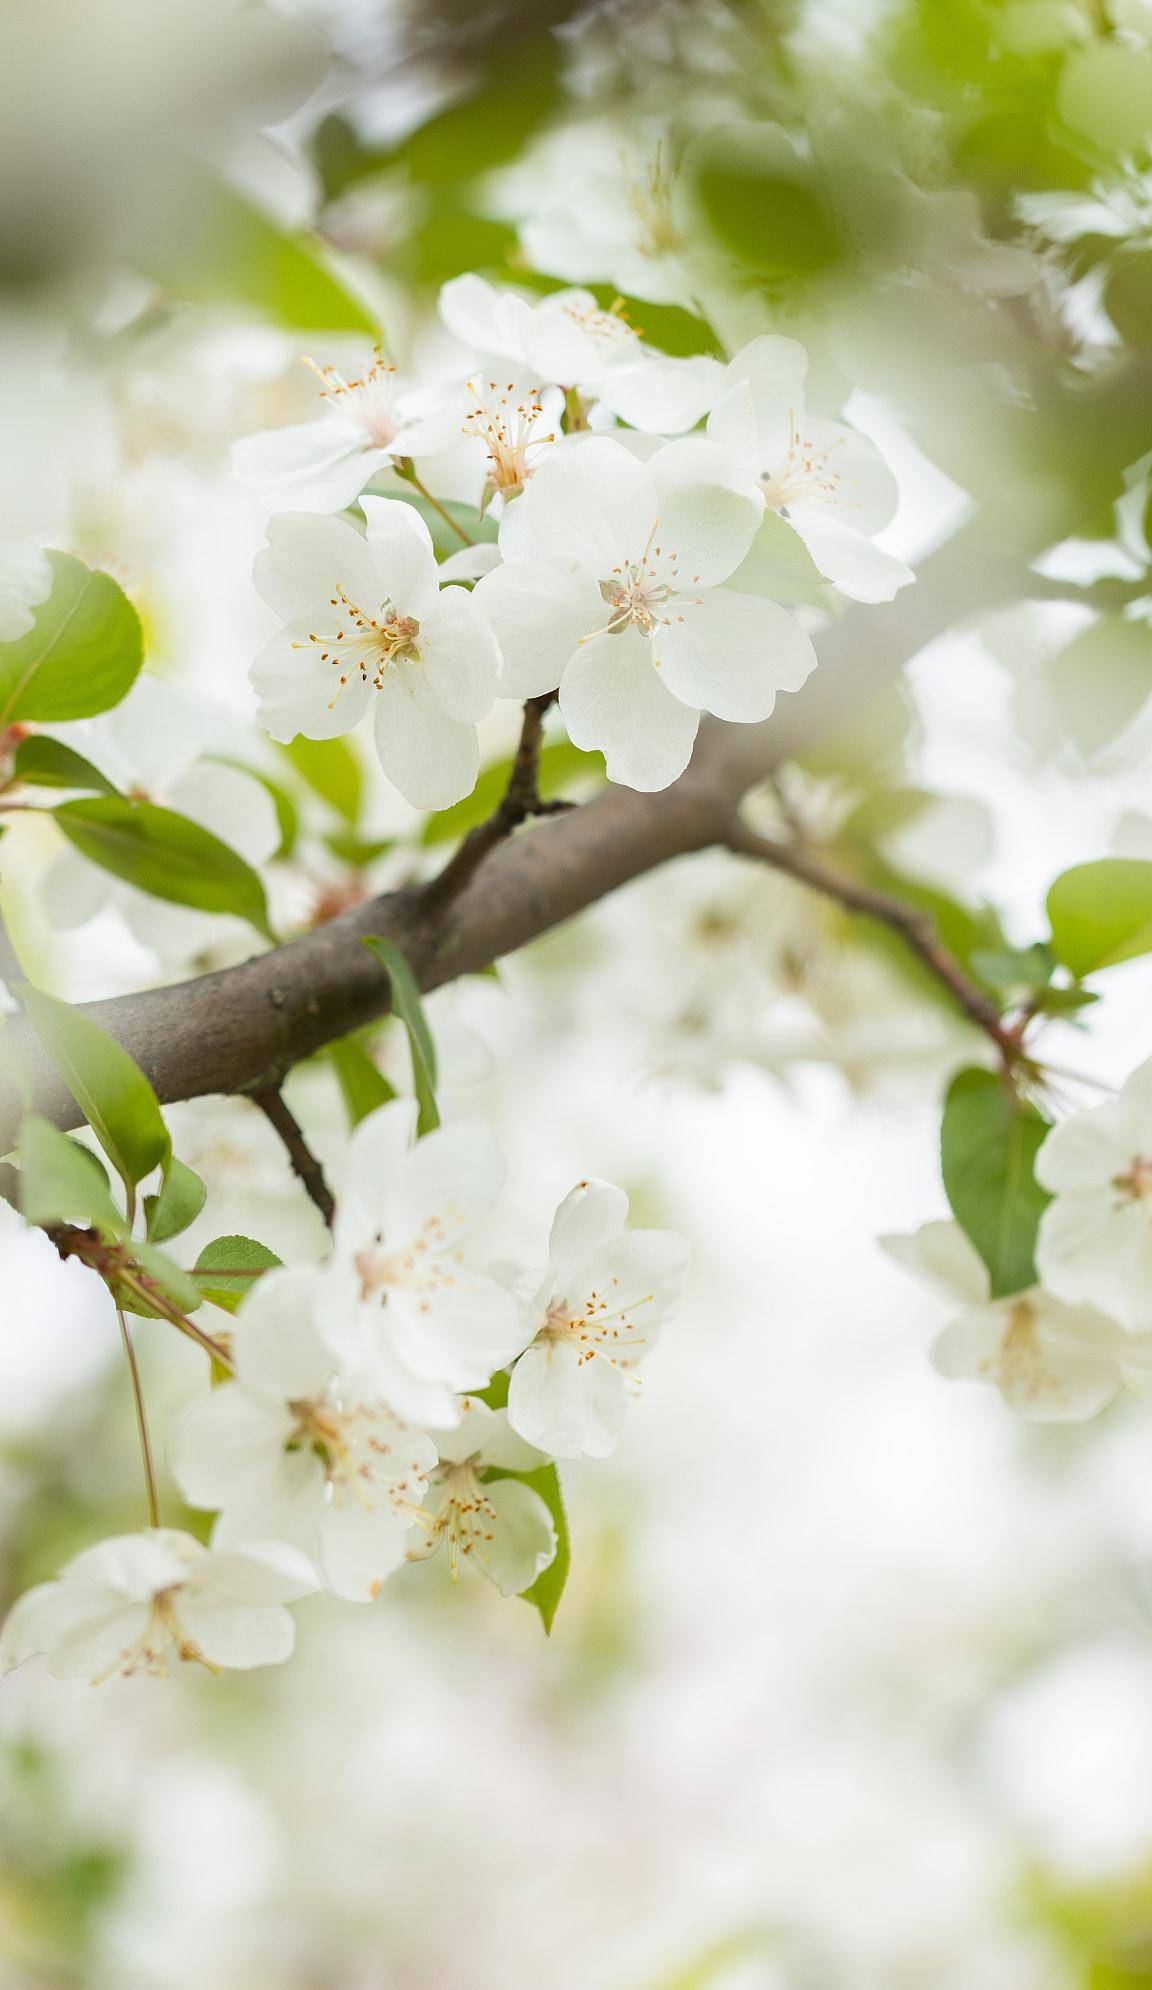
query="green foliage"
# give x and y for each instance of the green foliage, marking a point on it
(332, 770)
(82, 654)
(111, 1091)
(363, 1085)
(1101, 913)
(181, 1198)
(61, 1182)
(988, 1145)
(489, 124)
(166, 855)
(548, 1588)
(561, 766)
(1101, 679)
(408, 1008)
(177, 1285)
(46, 763)
(225, 251)
(482, 530)
(229, 1267)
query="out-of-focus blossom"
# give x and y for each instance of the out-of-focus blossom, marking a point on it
(1095, 1242)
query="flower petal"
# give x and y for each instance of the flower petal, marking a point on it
(523, 1539)
(548, 1398)
(539, 612)
(595, 505)
(731, 653)
(612, 698)
(300, 692)
(402, 553)
(847, 558)
(590, 1216)
(431, 758)
(460, 654)
(307, 559)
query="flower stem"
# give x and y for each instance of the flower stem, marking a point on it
(520, 800)
(410, 477)
(141, 1420)
(305, 1166)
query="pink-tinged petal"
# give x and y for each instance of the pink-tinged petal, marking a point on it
(613, 699)
(731, 653)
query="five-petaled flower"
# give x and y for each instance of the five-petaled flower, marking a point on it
(133, 1603)
(367, 622)
(500, 1525)
(370, 422)
(288, 1452)
(612, 589)
(593, 1318)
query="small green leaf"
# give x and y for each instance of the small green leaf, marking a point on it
(1101, 913)
(229, 1267)
(548, 1587)
(988, 1145)
(561, 766)
(363, 1085)
(82, 654)
(407, 1006)
(46, 763)
(166, 855)
(62, 1182)
(111, 1091)
(181, 1198)
(1014, 970)
(331, 769)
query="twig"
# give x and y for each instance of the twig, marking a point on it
(114, 1263)
(521, 799)
(141, 1421)
(916, 929)
(305, 1166)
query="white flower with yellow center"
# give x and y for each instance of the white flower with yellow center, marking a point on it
(287, 1452)
(612, 589)
(594, 1317)
(367, 624)
(570, 339)
(1051, 1362)
(134, 1603)
(406, 1319)
(1095, 1242)
(369, 422)
(829, 482)
(500, 1525)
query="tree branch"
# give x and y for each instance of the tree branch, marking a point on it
(305, 1166)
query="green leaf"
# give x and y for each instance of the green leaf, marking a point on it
(331, 769)
(1101, 679)
(82, 654)
(62, 1182)
(988, 1145)
(561, 765)
(111, 1091)
(444, 541)
(407, 1006)
(356, 851)
(45, 763)
(229, 1267)
(363, 1085)
(489, 125)
(174, 1282)
(1101, 913)
(548, 1588)
(182, 1196)
(1014, 970)
(221, 249)
(166, 855)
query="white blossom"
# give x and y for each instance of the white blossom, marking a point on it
(612, 589)
(25, 582)
(501, 1526)
(605, 1295)
(288, 1452)
(406, 1319)
(1095, 1241)
(323, 465)
(366, 623)
(132, 1603)
(570, 339)
(828, 481)
(1052, 1363)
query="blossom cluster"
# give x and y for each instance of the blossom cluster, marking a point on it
(1066, 1347)
(354, 1431)
(649, 509)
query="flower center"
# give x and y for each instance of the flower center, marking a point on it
(807, 473)
(367, 400)
(1017, 1366)
(464, 1517)
(161, 1635)
(1135, 1186)
(425, 1265)
(639, 593)
(508, 429)
(598, 1327)
(650, 198)
(363, 644)
(359, 1462)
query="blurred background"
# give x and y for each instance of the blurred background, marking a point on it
(851, 1688)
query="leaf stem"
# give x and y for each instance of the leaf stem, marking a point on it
(305, 1166)
(141, 1420)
